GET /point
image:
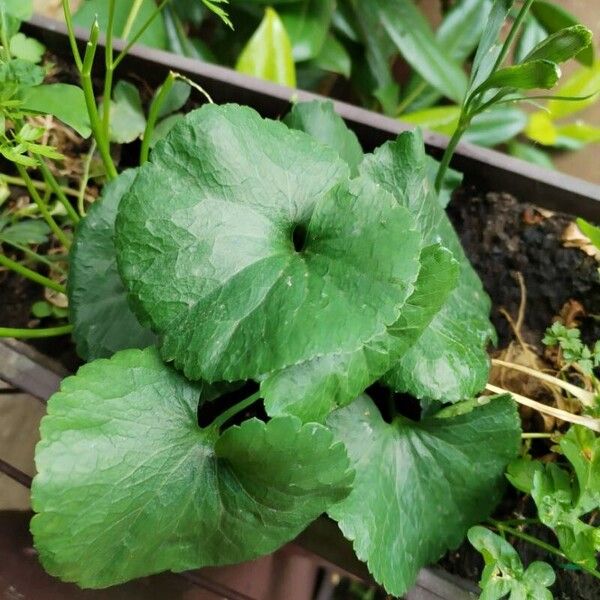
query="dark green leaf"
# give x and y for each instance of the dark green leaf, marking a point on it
(307, 23)
(129, 485)
(65, 102)
(264, 236)
(449, 362)
(19, 9)
(25, 232)
(26, 48)
(419, 486)
(102, 320)
(334, 58)
(127, 120)
(320, 120)
(562, 45)
(154, 36)
(268, 53)
(176, 99)
(520, 473)
(163, 128)
(553, 18)
(409, 30)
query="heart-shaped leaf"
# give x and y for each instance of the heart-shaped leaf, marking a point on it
(449, 361)
(129, 485)
(102, 320)
(266, 254)
(420, 486)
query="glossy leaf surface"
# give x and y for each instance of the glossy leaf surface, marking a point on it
(420, 486)
(102, 320)
(129, 485)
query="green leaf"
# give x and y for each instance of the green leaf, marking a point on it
(449, 361)
(26, 48)
(176, 99)
(214, 7)
(163, 128)
(307, 24)
(264, 236)
(154, 36)
(129, 485)
(25, 232)
(268, 53)
(562, 45)
(313, 389)
(531, 75)
(65, 102)
(583, 82)
(21, 72)
(127, 120)
(504, 574)
(578, 133)
(530, 153)
(419, 486)
(532, 35)
(520, 473)
(320, 120)
(591, 231)
(411, 33)
(19, 9)
(553, 18)
(334, 58)
(41, 309)
(102, 320)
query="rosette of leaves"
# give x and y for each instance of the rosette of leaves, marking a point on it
(128, 484)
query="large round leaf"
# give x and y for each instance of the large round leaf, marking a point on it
(129, 485)
(102, 320)
(420, 486)
(248, 249)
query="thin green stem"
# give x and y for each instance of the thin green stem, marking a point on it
(33, 255)
(71, 33)
(414, 94)
(35, 333)
(85, 179)
(109, 71)
(131, 17)
(543, 545)
(140, 32)
(43, 208)
(38, 185)
(32, 275)
(90, 101)
(449, 153)
(153, 113)
(234, 410)
(3, 36)
(57, 189)
(512, 34)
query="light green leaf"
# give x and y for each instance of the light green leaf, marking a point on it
(578, 131)
(311, 390)
(419, 486)
(320, 121)
(127, 120)
(154, 36)
(19, 9)
(176, 99)
(530, 153)
(583, 82)
(334, 58)
(41, 309)
(307, 23)
(553, 18)
(128, 484)
(102, 320)
(26, 48)
(527, 76)
(541, 129)
(264, 237)
(562, 45)
(268, 53)
(21, 73)
(25, 232)
(65, 102)
(532, 35)
(520, 473)
(449, 361)
(411, 33)
(504, 574)
(591, 231)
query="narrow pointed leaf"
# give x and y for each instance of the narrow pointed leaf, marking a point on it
(334, 58)
(583, 82)
(264, 237)
(553, 18)
(102, 321)
(424, 483)
(268, 53)
(129, 485)
(562, 45)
